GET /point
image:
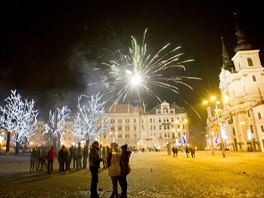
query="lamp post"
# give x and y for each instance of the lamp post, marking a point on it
(217, 110)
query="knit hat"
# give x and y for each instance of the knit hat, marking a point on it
(124, 146)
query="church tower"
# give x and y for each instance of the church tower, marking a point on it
(242, 80)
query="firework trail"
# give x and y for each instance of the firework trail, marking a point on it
(139, 74)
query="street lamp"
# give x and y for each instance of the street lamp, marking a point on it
(214, 100)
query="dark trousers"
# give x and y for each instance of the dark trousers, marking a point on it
(94, 181)
(123, 185)
(50, 166)
(32, 166)
(84, 162)
(63, 165)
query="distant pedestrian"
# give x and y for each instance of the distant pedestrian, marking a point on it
(187, 150)
(33, 159)
(74, 157)
(51, 157)
(104, 156)
(71, 157)
(94, 165)
(192, 150)
(79, 154)
(175, 151)
(85, 156)
(125, 170)
(37, 158)
(43, 158)
(114, 169)
(63, 158)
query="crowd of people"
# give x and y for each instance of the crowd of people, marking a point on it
(113, 158)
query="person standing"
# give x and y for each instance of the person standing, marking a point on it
(33, 159)
(42, 158)
(63, 158)
(85, 156)
(114, 169)
(192, 150)
(94, 165)
(37, 158)
(79, 156)
(51, 157)
(175, 151)
(71, 157)
(125, 170)
(104, 157)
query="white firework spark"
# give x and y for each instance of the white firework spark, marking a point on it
(140, 74)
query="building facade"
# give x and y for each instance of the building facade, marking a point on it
(164, 124)
(242, 81)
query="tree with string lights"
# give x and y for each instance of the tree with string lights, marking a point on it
(91, 119)
(56, 123)
(20, 116)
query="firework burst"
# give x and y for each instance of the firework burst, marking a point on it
(139, 74)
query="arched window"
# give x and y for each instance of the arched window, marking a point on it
(250, 62)
(254, 78)
(165, 110)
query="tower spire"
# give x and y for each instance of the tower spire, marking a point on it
(227, 64)
(242, 44)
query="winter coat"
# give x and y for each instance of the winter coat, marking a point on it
(64, 154)
(33, 156)
(114, 164)
(51, 154)
(124, 163)
(94, 158)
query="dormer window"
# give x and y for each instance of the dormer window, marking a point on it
(250, 62)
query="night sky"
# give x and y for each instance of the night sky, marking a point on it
(51, 46)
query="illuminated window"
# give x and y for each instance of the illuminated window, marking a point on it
(234, 132)
(251, 128)
(248, 113)
(250, 62)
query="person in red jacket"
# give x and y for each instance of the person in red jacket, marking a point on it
(51, 157)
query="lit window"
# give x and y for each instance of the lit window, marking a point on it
(250, 62)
